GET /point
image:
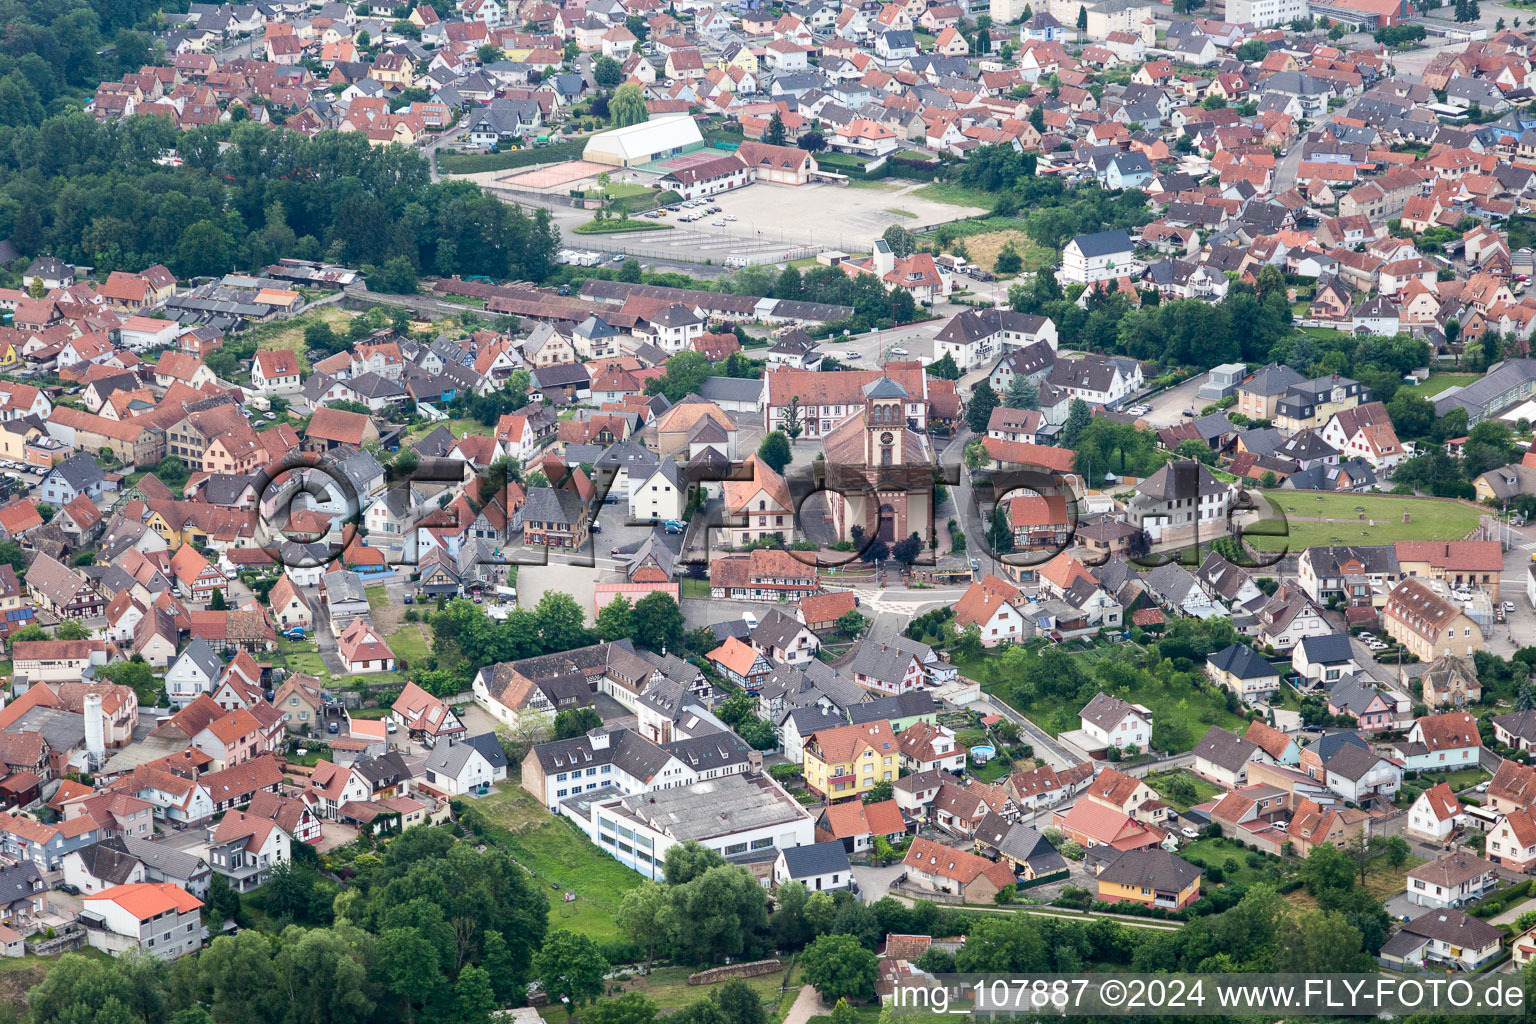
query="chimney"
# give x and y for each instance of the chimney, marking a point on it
(95, 730)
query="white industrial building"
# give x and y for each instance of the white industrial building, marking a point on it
(735, 815)
(637, 144)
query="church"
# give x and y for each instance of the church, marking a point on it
(879, 469)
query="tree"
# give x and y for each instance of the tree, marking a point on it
(720, 913)
(607, 72)
(1326, 869)
(1078, 418)
(774, 134)
(879, 793)
(574, 722)
(616, 621)
(1397, 851)
(172, 472)
(570, 969)
(851, 623)
(474, 999)
(408, 965)
(812, 142)
(560, 621)
(1319, 941)
(687, 861)
(1253, 51)
(979, 412)
(838, 967)
(628, 1008)
(490, 53)
(842, 1013)
(1022, 394)
(1008, 260)
(1082, 19)
(685, 372)
(945, 368)
(907, 549)
(792, 425)
(658, 622)
(641, 915)
(902, 242)
(627, 106)
(775, 451)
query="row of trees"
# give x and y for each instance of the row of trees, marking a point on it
(430, 930)
(96, 194)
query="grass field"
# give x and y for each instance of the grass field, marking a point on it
(896, 212)
(1204, 790)
(291, 334)
(474, 163)
(1230, 856)
(1465, 778)
(565, 861)
(618, 227)
(377, 597)
(456, 427)
(410, 642)
(1313, 519)
(1194, 708)
(1441, 382)
(985, 247)
(957, 195)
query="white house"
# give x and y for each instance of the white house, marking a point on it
(820, 867)
(1103, 256)
(1439, 743)
(456, 767)
(1456, 878)
(1325, 659)
(1436, 814)
(659, 496)
(994, 606)
(1112, 722)
(156, 917)
(193, 672)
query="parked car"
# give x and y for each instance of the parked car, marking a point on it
(618, 258)
(674, 526)
(409, 599)
(296, 633)
(73, 890)
(391, 726)
(1189, 833)
(333, 728)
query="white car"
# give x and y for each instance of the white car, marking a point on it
(1189, 833)
(730, 216)
(718, 222)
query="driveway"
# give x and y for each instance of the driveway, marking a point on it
(875, 882)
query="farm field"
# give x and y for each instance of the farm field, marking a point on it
(1313, 519)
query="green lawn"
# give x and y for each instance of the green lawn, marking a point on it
(378, 597)
(456, 427)
(957, 195)
(1440, 382)
(1464, 778)
(564, 860)
(370, 714)
(1232, 859)
(1204, 790)
(1195, 709)
(1313, 519)
(302, 656)
(410, 643)
(618, 227)
(693, 588)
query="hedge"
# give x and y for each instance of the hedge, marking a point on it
(474, 163)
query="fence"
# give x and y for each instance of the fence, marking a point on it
(1055, 876)
(751, 969)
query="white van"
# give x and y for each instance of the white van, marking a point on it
(735, 262)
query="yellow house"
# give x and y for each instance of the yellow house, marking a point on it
(9, 355)
(14, 436)
(393, 69)
(849, 760)
(1151, 876)
(738, 56)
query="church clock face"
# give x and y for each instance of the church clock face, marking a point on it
(887, 438)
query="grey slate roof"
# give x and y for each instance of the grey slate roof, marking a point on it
(1224, 748)
(1328, 650)
(816, 859)
(1243, 662)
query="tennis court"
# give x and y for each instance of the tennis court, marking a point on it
(555, 175)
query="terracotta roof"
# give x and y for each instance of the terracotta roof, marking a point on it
(145, 900)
